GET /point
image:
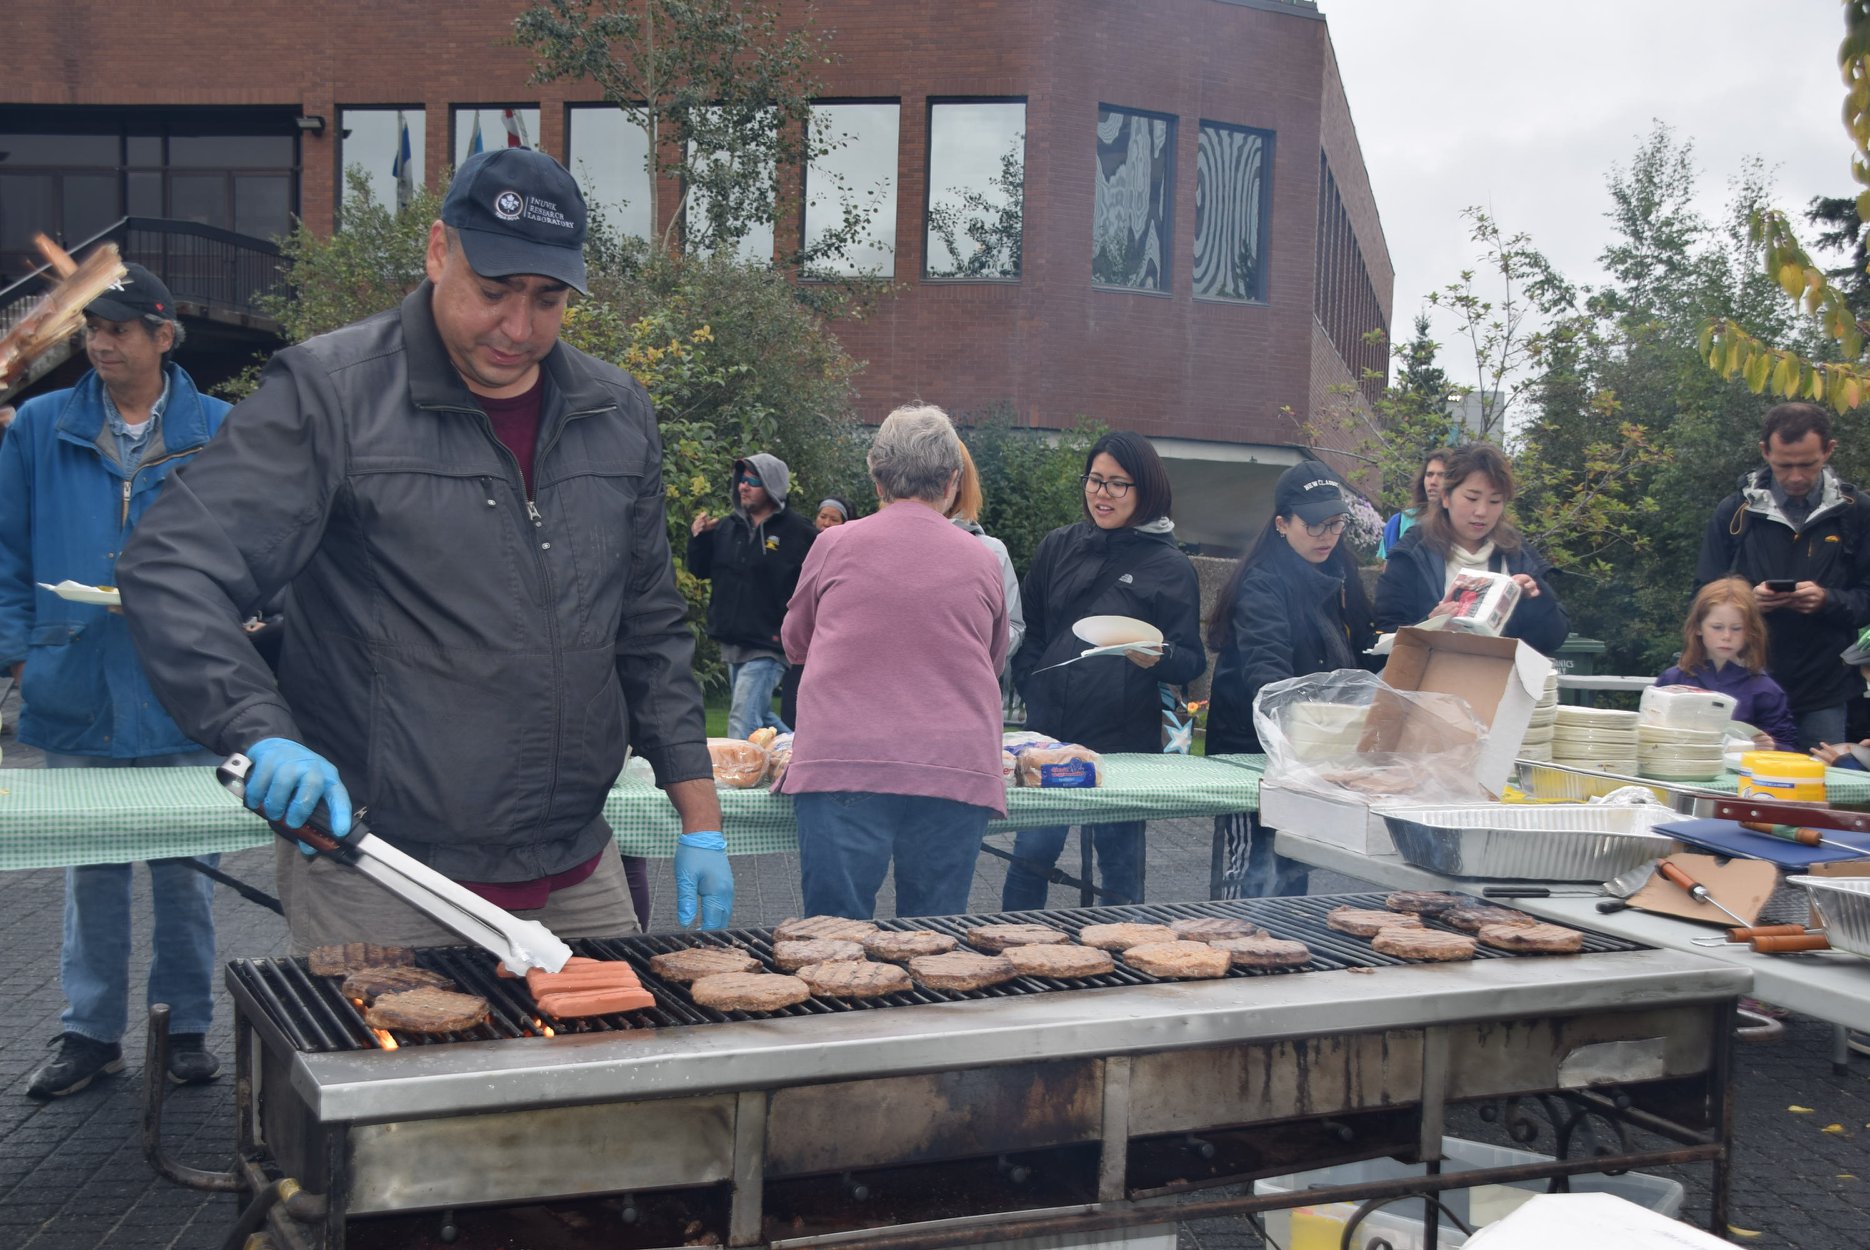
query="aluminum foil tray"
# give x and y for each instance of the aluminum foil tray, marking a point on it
(1843, 904)
(1530, 842)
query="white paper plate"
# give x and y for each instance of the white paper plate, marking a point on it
(1685, 737)
(1596, 717)
(78, 592)
(1117, 631)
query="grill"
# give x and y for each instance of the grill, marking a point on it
(930, 1117)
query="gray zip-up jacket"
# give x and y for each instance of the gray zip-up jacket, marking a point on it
(472, 661)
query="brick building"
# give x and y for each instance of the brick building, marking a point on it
(1199, 251)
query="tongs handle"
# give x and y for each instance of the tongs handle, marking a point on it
(233, 772)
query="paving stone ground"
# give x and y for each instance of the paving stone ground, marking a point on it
(73, 1177)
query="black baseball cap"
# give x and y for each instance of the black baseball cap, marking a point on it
(1310, 491)
(136, 295)
(518, 211)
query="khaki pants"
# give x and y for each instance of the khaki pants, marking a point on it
(327, 903)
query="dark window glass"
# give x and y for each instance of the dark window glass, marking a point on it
(90, 205)
(231, 151)
(976, 191)
(145, 150)
(145, 194)
(199, 197)
(1133, 200)
(609, 157)
(262, 204)
(850, 188)
(1232, 175)
(61, 150)
(27, 206)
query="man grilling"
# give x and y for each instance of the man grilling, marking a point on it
(468, 514)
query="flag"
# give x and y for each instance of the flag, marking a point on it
(474, 143)
(403, 168)
(515, 129)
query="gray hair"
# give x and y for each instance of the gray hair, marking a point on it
(916, 454)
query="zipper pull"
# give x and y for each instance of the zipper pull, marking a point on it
(126, 490)
(532, 511)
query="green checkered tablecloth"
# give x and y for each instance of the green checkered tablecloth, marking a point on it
(50, 818)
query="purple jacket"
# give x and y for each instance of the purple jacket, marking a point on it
(1758, 700)
(900, 622)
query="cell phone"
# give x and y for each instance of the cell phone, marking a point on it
(1781, 585)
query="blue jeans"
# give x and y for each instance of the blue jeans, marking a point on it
(1119, 851)
(94, 966)
(1821, 724)
(753, 683)
(847, 839)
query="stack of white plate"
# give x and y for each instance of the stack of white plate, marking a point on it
(1679, 754)
(1537, 744)
(1325, 731)
(1595, 738)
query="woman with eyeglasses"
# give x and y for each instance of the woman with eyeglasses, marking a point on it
(1468, 530)
(1294, 606)
(1120, 560)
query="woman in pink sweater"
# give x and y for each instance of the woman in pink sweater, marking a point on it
(897, 754)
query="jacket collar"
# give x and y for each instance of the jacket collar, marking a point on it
(1757, 489)
(184, 419)
(1315, 579)
(435, 383)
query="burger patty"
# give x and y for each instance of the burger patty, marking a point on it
(347, 957)
(1119, 937)
(961, 970)
(1431, 945)
(1046, 959)
(426, 1010)
(1473, 919)
(1263, 952)
(1210, 928)
(368, 983)
(749, 991)
(1423, 902)
(994, 938)
(696, 962)
(855, 979)
(900, 946)
(823, 927)
(1368, 921)
(791, 956)
(1181, 960)
(1542, 939)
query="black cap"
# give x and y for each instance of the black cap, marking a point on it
(1310, 491)
(136, 295)
(518, 212)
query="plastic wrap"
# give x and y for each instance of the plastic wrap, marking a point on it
(1347, 735)
(1483, 602)
(738, 765)
(778, 755)
(1062, 765)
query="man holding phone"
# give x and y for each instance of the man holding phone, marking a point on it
(1801, 536)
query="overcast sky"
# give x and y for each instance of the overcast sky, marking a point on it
(1523, 108)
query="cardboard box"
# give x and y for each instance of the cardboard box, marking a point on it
(1342, 822)
(1501, 679)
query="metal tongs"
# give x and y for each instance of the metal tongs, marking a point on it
(520, 944)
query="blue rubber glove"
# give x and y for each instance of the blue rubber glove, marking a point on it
(701, 868)
(288, 781)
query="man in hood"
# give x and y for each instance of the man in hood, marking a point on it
(753, 556)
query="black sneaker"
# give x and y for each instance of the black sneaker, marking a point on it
(79, 1061)
(190, 1063)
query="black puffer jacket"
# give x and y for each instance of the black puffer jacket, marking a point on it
(1413, 580)
(1289, 620)
(473, 662)
(1105, 702)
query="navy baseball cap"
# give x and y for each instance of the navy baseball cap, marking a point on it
(136, 295)
(1309, 490)
(518, 211)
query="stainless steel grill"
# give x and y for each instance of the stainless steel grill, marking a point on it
(930, 1118)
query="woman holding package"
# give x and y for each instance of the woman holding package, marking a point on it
(900, 622)
(1120, 560)
(1294, 606)
(1468, 531)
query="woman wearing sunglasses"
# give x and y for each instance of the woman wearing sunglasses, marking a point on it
(1294, 606)
(1468, 530)
(1120, 560)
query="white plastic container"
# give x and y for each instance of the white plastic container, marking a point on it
(1400, 1223)
(1685, 707)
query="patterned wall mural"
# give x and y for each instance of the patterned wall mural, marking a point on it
(1130, 220)
(1230, 198)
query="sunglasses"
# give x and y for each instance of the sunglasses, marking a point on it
(747, 479)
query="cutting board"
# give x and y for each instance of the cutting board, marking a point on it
(1742, 884)
(1726, 837)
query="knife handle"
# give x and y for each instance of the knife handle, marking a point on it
(1765, 930)
(1675, 873)
(1515, 891)
(1787, 945)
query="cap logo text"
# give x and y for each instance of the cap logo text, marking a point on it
(508, 205)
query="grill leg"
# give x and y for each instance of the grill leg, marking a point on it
(1113, 1163)
(1086, 896)
(743, 1222)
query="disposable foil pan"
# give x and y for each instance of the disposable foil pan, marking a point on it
(1531, 842)
(1843, 904)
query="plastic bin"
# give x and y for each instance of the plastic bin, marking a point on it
(1400, 1223)
(1577, 657)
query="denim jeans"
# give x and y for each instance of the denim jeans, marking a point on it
(1119, 852)
(1821, 724)
(753, 683)
(94, 966)
(848, 838)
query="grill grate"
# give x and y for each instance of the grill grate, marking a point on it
(314, 1016)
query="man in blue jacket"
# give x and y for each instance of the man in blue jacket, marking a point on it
(77, 470)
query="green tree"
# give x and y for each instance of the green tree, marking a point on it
(1843, 233)
(1029, 481)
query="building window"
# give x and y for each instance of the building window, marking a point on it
(480, 127)
(1344, 300)
(1233, 186)
(388, 144)
(976, 189)
(1134, 198)
(850, 190)
(744, 215)
(609, 156)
